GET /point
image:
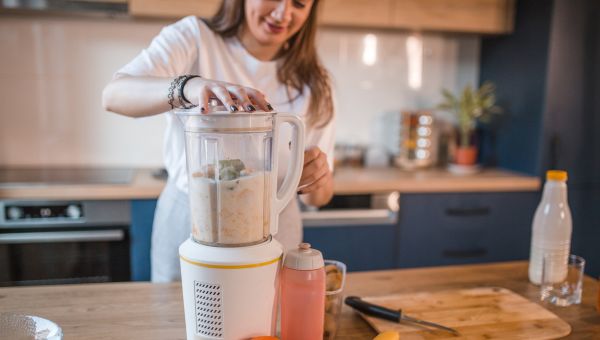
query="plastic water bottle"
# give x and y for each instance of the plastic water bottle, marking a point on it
(551, 230)
(303, 294)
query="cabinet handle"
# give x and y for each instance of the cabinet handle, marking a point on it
(63, 236)
(465, 253)
(468, 212)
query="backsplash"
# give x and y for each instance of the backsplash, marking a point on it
(53, 71)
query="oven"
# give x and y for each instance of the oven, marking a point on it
(62, 242)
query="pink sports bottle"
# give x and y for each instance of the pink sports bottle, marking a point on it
(302, 294)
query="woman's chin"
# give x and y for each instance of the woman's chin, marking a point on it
(272, 39)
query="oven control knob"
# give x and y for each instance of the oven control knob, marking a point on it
(73, 211)
(14, 213)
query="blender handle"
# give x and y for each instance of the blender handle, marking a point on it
(289, 185)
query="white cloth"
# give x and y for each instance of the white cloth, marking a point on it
(189, 46)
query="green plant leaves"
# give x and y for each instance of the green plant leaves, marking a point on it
(471, 107)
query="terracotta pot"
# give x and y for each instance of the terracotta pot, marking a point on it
(465, 155)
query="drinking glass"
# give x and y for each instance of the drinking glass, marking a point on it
(562, 282)
(336, 277)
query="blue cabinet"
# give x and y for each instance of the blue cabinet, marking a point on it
(435, 229)
(359, 247)
(142, 216)
(459, 228)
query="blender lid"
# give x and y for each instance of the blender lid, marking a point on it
(220, 120)
(304, 258)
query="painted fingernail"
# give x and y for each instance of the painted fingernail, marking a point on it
(202, 109)
(269, 107)
(251, 108)
(233, 108)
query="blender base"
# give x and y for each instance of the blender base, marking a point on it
(230, 293)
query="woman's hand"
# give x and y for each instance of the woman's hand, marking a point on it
(316, 182)
(200, 90)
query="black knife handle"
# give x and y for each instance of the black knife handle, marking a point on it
(373, 310)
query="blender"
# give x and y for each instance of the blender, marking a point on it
(230, 265)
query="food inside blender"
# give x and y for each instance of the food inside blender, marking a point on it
(229, 207)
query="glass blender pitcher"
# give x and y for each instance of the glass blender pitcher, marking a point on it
(230, 265)
(232, 162)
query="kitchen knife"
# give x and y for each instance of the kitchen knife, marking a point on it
(390, 314)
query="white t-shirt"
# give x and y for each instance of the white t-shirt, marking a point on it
(189, 46)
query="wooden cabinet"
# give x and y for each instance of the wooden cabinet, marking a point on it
(173, 8)
(480, 16)
(357, 13)
(472, 16)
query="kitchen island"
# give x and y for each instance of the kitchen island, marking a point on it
(143, 310)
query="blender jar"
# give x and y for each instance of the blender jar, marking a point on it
(232, 174)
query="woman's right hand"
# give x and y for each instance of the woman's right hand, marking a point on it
(200, 90)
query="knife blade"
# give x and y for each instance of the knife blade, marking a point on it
(390, 314)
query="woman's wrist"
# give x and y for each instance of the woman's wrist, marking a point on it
(191, 89)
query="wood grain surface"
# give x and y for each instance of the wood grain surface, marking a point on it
(346, 181)
(142, 310)
(476, 313)
(369, 180)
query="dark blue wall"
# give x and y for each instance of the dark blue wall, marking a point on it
(548, 79)
(517, 64)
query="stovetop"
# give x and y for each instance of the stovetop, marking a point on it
(61, 176)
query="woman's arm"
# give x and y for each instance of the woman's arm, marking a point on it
(146, 96)
(137, 96)
(316, 182)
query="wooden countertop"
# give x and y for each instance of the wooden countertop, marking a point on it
(346, 181)
(368, 180)
(142, 310)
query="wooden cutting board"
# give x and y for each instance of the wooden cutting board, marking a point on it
(479, 313)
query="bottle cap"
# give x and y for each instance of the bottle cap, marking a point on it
(556, 175)
(304, 258)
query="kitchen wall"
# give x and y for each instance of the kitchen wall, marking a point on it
(52, 71)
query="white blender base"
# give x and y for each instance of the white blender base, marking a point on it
(230, 293)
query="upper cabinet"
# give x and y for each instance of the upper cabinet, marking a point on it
(173, 8)
(469, 16)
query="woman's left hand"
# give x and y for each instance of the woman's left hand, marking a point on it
(316, 179)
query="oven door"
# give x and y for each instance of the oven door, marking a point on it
(60, 256)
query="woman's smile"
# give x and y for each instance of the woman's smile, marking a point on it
(274, 28)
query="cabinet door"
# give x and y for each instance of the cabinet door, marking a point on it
(368, 247)
(356, 13)
(476, 16)
(173, 8)
(444, 229)
(142, 217)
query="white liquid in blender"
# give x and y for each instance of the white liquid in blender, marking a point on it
(230, 211)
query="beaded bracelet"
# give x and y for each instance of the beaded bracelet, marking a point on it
(174, 84)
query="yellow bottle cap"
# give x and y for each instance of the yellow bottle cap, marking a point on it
(556, 175)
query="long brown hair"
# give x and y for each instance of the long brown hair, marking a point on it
(299, 65)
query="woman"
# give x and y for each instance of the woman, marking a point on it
(261, 52)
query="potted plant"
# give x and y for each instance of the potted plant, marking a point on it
(471, 107)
